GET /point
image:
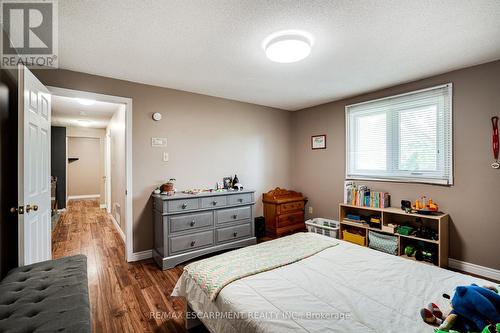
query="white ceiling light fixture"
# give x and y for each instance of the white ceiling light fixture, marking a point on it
(288, 46)
(84, 101)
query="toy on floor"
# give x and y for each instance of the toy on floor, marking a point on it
(473, 309)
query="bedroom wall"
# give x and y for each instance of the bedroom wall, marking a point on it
(473, 201)
(84, 174)
(97, 133)
(208, 138)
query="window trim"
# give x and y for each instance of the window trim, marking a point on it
(404, 179)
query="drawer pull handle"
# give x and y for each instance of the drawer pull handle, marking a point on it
(235, 216)
(192, 243)
(214, 203)
(192, 223)
(235, 234)
(240, 200)
(184, 206)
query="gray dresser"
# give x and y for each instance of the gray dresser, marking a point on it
(187, 226)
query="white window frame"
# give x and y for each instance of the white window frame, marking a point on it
(397, 175)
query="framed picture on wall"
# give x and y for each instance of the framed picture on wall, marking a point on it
(318, 141)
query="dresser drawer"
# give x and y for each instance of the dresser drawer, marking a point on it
(190, 221)
(191, 241)
(290, 219)
(234, 232)
(238, 199)
(182, 205)
(213, 202)
(233, 214)
(291, 206)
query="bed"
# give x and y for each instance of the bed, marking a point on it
(344, 288)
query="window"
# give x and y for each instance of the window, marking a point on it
(402, 138)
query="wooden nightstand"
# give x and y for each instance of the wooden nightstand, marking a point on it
(284, 212)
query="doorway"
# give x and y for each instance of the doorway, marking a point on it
(98, 154)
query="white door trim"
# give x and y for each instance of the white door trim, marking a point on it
(129, 250)
(107, 172)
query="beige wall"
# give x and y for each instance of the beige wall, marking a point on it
(116, 132)
(97, 133)
(83, 174)
(208, 138)
(473, 202)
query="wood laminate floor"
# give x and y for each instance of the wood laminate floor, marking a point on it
(124, 297)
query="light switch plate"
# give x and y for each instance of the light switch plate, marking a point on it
(158, 142)
(165, 156)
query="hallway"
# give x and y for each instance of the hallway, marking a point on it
(124, 297)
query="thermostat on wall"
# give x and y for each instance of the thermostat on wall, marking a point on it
(156, 116)
(158, 142)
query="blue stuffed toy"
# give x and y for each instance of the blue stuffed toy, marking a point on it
(473, 308)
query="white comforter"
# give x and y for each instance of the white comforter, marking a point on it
(346, 288)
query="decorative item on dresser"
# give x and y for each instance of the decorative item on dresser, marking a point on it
(187, 226)
(283, 211)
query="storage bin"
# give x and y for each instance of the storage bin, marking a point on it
(382, 242)
(354, 238)
(323, 226)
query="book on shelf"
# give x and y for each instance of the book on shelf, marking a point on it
(364, 197)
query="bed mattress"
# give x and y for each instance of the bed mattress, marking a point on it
(346, 288)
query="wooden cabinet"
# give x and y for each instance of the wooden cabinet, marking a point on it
(283, 211)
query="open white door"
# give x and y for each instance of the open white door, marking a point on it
(34, 169)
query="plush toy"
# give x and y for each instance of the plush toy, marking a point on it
(473, 309)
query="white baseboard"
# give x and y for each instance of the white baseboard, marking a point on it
(467, 267)
(86, 196)
(136, 256)
(117, 226)
(103, 206)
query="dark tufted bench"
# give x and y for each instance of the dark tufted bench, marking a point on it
(51, 296)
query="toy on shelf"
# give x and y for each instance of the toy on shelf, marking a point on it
(410, 250)
(424, 206)
(375, 222)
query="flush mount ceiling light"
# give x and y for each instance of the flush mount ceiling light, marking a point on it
(84, 101)
(288, 46)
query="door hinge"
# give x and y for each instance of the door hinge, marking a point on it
(19, 210)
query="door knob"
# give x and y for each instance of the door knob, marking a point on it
(19, 210)
(30, 208)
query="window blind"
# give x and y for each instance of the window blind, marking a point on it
(406, 137)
